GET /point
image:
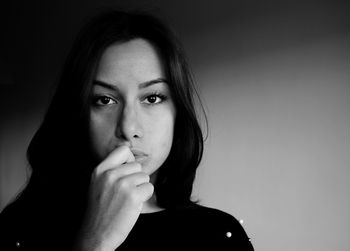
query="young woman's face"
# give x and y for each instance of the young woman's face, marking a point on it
(132, 104)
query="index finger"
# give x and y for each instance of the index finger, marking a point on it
(117, 157)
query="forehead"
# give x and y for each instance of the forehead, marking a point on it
(135, 60)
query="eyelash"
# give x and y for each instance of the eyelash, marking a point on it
(98, 98)
(162, 97)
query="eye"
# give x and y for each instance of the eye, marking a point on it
(154, 99)
(103, 100)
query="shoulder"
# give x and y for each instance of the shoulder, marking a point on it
(214, 227)
(209, 213)
(25, 226)
(10, 226)
(214, 218)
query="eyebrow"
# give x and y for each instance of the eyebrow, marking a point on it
(141, 85)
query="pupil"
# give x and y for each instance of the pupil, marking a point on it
(105, 100)
(152, 99)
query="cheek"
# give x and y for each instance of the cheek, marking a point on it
(100, 131)
(161, 136)
(168, 135)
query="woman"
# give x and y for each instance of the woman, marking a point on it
(115, 158)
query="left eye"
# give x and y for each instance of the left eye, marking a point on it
(153, 99)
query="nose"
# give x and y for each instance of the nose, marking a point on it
(128, 125)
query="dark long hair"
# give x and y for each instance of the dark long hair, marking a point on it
(59, 151)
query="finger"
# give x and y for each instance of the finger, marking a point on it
(116, 158)
(133, 180)
(145, 191)
(113, 174)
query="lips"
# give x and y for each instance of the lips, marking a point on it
(139, 155)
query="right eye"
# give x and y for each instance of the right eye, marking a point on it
(103, 100)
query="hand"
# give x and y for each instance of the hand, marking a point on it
(118, 190)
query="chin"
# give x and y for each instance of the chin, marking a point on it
(149, 168)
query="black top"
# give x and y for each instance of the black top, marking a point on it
(195, 228)
(190, 228)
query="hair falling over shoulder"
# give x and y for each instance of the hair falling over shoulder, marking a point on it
(59, 153)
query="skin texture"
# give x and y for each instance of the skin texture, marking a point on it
(132, 119)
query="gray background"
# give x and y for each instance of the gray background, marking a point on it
(274, 77)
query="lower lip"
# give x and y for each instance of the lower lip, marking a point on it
(140, 159)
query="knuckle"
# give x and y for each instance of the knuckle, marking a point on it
(145, 177)
(109, 177)
(123, 184)
(97, 171)
(150, 187)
